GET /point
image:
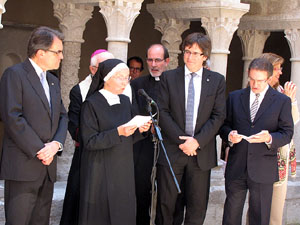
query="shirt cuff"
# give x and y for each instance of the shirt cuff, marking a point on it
(61, 147)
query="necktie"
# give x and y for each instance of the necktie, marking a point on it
(254, 107)
(189, 115)
(45, 86)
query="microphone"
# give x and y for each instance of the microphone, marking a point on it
(142, 92)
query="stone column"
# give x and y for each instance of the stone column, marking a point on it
(293, 38)
(253, 42)
(2, 10)
(220, 25)
(119, 17)
(171, 30)
(72, 20)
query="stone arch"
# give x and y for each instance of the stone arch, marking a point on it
(281, 49)
(7, 60)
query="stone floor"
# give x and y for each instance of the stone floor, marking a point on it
(215, 206)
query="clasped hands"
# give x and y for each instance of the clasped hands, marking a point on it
(47, 153)
(261, 137)
(129, 130)
(190, 146)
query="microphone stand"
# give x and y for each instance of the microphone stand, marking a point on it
(157, 139)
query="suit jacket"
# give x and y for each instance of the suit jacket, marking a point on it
(29, 122)
(274, 115)
(210, 117)
(143, 150)
(74, 112)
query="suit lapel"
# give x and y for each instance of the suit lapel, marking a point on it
(245, 99)
(36, 84)
(180, 82)
(204, 90)
(268, 99)
(53, 93)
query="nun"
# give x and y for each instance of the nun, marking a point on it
(107, 189)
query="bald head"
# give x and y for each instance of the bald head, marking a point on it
(98, 58)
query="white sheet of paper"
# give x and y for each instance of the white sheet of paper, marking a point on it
(247, 138)
(138, 121)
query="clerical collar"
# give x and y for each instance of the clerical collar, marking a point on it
(155, 78)
(111, 98)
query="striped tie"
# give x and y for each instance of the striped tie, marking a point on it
(189, 115)
(254, 107)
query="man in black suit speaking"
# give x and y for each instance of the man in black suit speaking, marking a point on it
(258, 122)
(35, 123)
(192, 109)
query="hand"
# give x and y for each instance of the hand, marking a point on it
(189, 147)
(290, 90)
(234, 137)
(46, 153)
(48, 162)
(126, 130)
(262, 137)
(145, 126)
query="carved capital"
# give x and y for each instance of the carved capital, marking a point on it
(220, 30)
(2, 10)
(119, 16)
(293, 37)
(72, 18)
(253, 42)
(171, 30)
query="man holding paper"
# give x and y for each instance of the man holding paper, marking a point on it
(258, 122)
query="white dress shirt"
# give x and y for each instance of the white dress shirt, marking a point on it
(197, 80)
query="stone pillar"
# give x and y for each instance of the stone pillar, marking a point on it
(2, 10)
(119, 17)
(253, 42)
(72, 20)
(220, 28)
(293, 38)
(171, 30)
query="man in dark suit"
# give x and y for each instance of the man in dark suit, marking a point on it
(192, 109)
(143, 151)
(258, 122)
(77, 96)
(35, 124)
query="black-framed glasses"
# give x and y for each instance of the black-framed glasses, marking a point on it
(55, 52)
(135, 69)
(188, 53)
(156, 60)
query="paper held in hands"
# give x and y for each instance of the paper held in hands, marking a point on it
(252, 136)
(138, 121)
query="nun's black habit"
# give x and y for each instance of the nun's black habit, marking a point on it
(107, 172)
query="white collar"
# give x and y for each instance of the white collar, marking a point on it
(188, 72)
(36, 67)
(111, 98)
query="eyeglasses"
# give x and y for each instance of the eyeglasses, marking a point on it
(157, 60)
(55, 52)
(127, 79)
(256, 81)
(188, 53)
(278, 69)
(135, 69)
